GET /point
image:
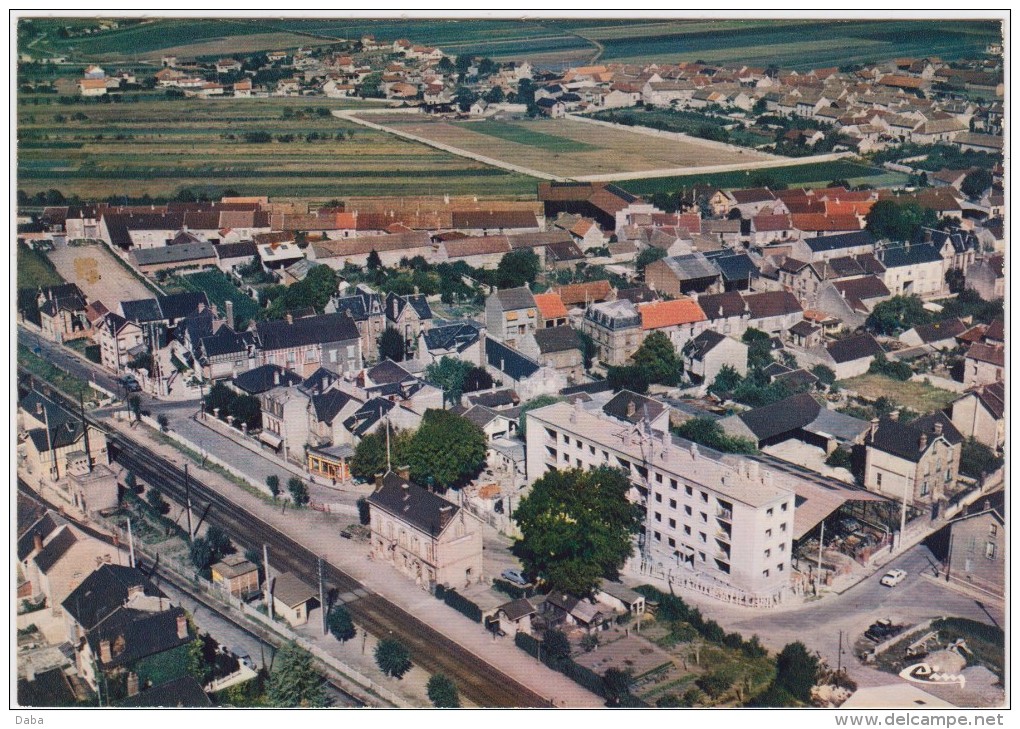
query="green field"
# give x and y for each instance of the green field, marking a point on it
(815, 174)
(919, 396)
(522, 135)
(220, 289)
(35, 269)
(158, 147)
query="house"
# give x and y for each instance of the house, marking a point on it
(619, 598)
(35, 526)
(913, 269)
(460, 339)
(988, 277)
(366, 308)
(939, 335)
(706, 354)
(583, 294)
(630, 408)
(510, 314)
(410, 315)
(823, 247)
(184, 692)
(980, 414)
(225, 354)
(557, 347)
(495, 424)
(60, 562)
(852, 356)
(236, 575)
(291, 598)
(752, 201)
(977, 552)
(424, 536)
(553, 108)
(551, 310)
(92, 87)
(984, 364)
(119, 623)
(55, 450)
(227, 65)
(772, 312)
(678, 275)
(262, 379)
(615, 328)
(851, 300)
(305, 344)
(680, 319)
(611, 207)
(799, 417)
(62, 312)
(561, 609)
(285, 426)
(527, 376)
(231, 255)
(515, 616)
(726, 528)
(916, 463)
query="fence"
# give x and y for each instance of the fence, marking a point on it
(348, 674)
(716, 591)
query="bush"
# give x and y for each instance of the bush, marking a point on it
(364, 511)
(393, 658)
(340, 623)
(881, 365)
(714, 684)
(462, 605)
(298, 491)
(442, 692)
(840, 458)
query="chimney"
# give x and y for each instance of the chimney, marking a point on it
(922, 442)
(445, 514)
(215, 311)
(201, 307)
(631, 409)
(135, 590)
(289, 318)
(39, 408)
(37, 541)
(405, 473)
(894, 415)
(132, 684)
(105, 655)
(873, 429)
(276, 378)
(694, 451)
(938, 429)
(229, 307)
(182, 627)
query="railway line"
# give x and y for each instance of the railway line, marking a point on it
(477, 680)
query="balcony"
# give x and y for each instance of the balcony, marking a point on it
(726, 514)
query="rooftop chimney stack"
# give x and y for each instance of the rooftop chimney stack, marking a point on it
(938, 429)
(132, 684)
(922, 442)
(105, 654)
(182, 627)
(229, 307)
(276, 378)
(873, 430)
(37, 542)
(289, 318)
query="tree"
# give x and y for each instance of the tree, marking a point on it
(340, 623)
(370, 454)
(955, 280)
(616, 684)
(219, 542)
(314, 291)
(201, 554)
(247, 411)
(647, 256)
(298, 491)
(443, 692)
(897, 314)
(627, 377)
(447, 450)
(220, 398)
(163, 421)
(273, 484)
(294, 682)
(709, 433)
(392, 657)
(975, 183)
(155, 500)
(576, 527)
(374, 262)
(556, 644)
(796, 670)
(759, 348)
(364, 511)
(977, 459)
(449, 374)
(539, 402)
(135, 404)
(725, 382)
(391, 345)
(891, 220)
(825, 375)
(517, 268)
(658, 359)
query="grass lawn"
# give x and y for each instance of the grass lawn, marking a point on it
(917, 396)
(516, 133)
(35, 269)
(69, 384)
(220, 289)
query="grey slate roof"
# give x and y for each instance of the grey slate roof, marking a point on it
(184, 692)
(103, 592)
(262, 379)
(456, 336)
(691, 266)
(388, 372)
(781, 417)
(55, 549)
(733, 267)
(556, 339)
(47, 523)
(329, 404)
(321, 329)
(226, 341)
(142, 633)
(365, 418)
(822, 243)
(409, 502)
(180, 253)
(141, 310)
(180, 305)
(509, 361)
(722, 305)
(619, 406)
(855, 347)
(513, 299)
(909, 255)
(702, 344)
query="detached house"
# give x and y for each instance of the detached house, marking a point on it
(424, 536)
(510, 314)
(980, 414)
(706, 354)
(62, 312)
(303, 345)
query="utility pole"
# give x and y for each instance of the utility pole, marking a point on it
(821, 543)
(949, 557)
(389, 465)
(131, 543)
(322, 597)
(85, 431)
(839, 654)
(903, 514)
(187, 498)
(265, 567)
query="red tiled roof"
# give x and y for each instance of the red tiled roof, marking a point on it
(550, 306)
(825, 223)
(585, 293)
(659, 314)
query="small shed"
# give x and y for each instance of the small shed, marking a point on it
(515, 616)
(291, 597)
(236, 575)
(620, 598)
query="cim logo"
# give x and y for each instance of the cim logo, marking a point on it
(925, 673)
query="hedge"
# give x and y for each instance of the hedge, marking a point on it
(509, 588)
(574, 671)
(461, 604)
(528, 643)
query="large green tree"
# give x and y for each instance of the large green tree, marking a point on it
(447, 450)
(517, 268)
(340, 623)
(391, 345)
(449, 374)
(443, 692)
(977, 459)
(896, 221)
(392, 657)
(976, 182)
(659, 360)
(370, 454)
(294, 682)
(298, 491)
(314, 291)
(577, 527)
(796, 670)
(898, 314)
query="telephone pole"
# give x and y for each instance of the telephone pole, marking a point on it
(322, 597)
(187, 498)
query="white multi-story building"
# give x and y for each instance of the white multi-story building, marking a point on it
(705, 519)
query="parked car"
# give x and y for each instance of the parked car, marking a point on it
(882, 629)
(894, 577)
(514, 576)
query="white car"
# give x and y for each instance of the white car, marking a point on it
(894, 577)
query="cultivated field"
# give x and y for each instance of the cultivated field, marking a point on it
(220, 289)
(567, 148)
(918, 396)
(157, 147)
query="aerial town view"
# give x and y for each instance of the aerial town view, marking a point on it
(498, 363)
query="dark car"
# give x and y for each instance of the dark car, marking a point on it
(882, 629)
